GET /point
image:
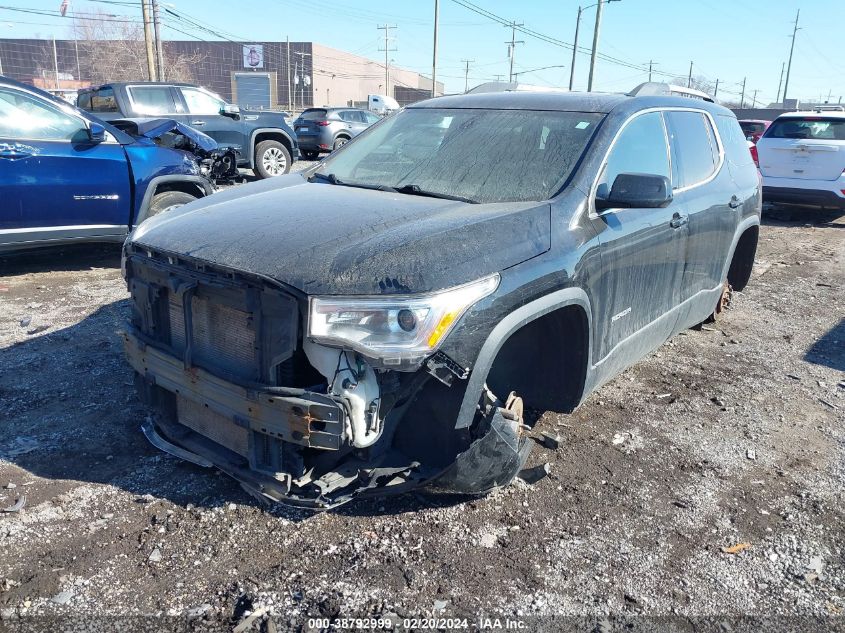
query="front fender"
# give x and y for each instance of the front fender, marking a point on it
(504, 329)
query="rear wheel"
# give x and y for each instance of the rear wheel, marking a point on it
(271, 159)
(168, 200)
(340, 142)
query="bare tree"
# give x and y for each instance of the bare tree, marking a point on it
(698, 83)
(113, 50)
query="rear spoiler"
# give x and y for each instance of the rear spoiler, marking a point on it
(654, 88)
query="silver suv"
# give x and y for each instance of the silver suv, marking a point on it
(326, 129)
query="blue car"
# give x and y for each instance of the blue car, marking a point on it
(66, 176)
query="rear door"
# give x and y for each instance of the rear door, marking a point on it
(202, 111)
(356, 121)
(708, 195)
(56, 183)
(805, 148)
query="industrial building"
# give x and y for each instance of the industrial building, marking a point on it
(277, 75)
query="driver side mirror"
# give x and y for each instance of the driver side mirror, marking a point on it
(644, 191)
(96, 132)
(230, 110)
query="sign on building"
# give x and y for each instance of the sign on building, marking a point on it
(253, 56)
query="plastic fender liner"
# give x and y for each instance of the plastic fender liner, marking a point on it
(491, 461)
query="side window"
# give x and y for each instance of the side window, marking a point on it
(640, 148)
(84, 101)
(152, 99)
(358, 117)
(694, 146)
(344, 115)
(733, 138)
(200, 102)
(103, 101)
(25, 117)
(371, 118)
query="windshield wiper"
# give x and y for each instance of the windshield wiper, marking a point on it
(414, 190)
(331, 178)
(325, 177)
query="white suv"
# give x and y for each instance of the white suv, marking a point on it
(802, 159)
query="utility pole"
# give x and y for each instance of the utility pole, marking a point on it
(56, 62)
(716, 91)
(742, 98)
(650, 65)
(791, 49)
(754, 99)
(466, 73)
(434, 54)
(290, 80)
(386, 28)
(689, 79)
(599, 7)
(780, 81)
(300, 77)
(512, 47)
(574, 50)
(148, 40)
(159, 50)
(78, 68)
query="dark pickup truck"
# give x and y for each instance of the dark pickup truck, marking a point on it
(264, 141)
(375, 323)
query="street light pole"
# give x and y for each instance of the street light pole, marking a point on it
(574, 49)
(599, 7)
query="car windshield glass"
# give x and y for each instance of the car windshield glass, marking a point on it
(313, 115)
(479, 155)
(809, 127)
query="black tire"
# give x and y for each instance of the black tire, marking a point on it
(309, 154)
(167, 200)
(271, 159)
(339, 142)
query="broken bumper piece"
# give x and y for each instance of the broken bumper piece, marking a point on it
(289, 445)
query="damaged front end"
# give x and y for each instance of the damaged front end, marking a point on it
(218, 164)
(311, 402)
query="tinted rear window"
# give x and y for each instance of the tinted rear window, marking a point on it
(313, 115)
(808, 127)
(103, 101)
(694, 146)
(152, 99)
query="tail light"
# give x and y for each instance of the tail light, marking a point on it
(322, 123)
(754, 155)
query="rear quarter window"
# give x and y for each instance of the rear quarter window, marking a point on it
(734, 141)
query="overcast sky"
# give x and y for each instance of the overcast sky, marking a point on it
(725, 39)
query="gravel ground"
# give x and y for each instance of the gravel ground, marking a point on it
(732, 436)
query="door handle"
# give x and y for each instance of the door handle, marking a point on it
(197, 123)
(678, 220)
(735, 202)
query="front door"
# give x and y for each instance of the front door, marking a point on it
(56, 183)
(642, 251)
(203, 113)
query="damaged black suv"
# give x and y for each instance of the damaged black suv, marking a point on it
(376, 323)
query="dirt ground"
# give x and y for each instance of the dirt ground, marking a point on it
(732, 436)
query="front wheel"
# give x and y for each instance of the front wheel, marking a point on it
(271, 159)
(168, 200)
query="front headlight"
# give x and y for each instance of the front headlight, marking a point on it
(394, 328)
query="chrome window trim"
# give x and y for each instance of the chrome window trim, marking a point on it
(591, 207)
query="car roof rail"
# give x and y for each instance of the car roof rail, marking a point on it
(656, 88)
(829, 108)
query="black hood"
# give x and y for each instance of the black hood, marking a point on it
(331, 239)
